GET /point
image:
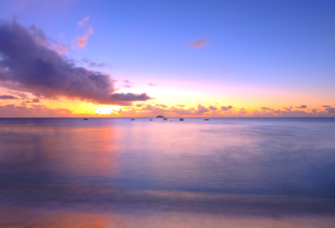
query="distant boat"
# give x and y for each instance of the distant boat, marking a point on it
(165, 118)
(85, 119)
(181, 119)
(150, 119)
(132, 119)
(159, 116)
(206, 119)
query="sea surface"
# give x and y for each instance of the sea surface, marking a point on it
(225, 172)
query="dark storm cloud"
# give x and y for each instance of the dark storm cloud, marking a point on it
(7, 97)
(28, 63)
(302, 106)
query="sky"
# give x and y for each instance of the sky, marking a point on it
(204, 58)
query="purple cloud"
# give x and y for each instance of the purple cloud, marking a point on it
(226, 108)
(34, 111)
(83, 21)
(35, 100)
(7, 97)
(302, 106)
(28, 64)
(330, 110)
(213, 108)
(201, 110)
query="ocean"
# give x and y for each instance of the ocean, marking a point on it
(114, 172)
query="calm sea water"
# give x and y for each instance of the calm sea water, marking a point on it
(225, 172)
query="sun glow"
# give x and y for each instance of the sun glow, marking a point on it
(106, 110)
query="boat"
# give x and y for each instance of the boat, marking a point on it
(132, 119)
(206, 119)
(85, 119)
(150, 119)
(181, 119)
(160, 116)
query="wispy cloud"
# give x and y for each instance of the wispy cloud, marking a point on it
(82, 40)
(302, 106)
(83, 21)
(127, 83)
(151, 84)
(199, 43)
(94, 64)
(61, 49)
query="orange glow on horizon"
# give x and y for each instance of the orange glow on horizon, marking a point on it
(106, 110)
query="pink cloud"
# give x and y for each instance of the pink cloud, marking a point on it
(83, 21)
(82, 41)
(61, 49)
(90, 31)
(213, 108)
(199, 43)
(151, 84)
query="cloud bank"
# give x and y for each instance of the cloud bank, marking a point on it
(27, 63)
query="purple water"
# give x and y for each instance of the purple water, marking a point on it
(225, 172)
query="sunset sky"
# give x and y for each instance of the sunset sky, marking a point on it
(130, 58)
